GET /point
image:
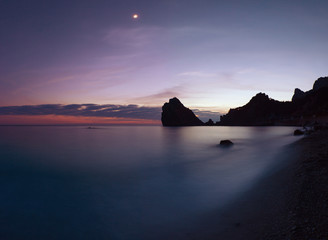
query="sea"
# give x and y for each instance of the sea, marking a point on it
(127, 182)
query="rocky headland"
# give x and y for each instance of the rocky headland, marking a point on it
(175, 114)
(305, 108)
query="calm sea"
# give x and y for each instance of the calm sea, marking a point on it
(126, 182)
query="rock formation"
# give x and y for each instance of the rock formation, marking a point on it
(305, 107)
(175, 114)
(298, 94)
(320, 83)
(209, 123)
(259, 111)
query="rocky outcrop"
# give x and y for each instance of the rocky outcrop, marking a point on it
(175, 114)
(259, 111)
(320, 83)
(305, 107)
(298, 132)
(209, 123)
(298, 94)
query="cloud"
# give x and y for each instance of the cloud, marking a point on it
(89, 110)
(140, 37)
(94, 110)
(198, 74)
(162, 96)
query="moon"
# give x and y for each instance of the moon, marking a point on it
(135, 16)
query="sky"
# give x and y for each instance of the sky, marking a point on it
(212, 55)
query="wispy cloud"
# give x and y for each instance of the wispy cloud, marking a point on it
(162, 96)
(90, 110)
(127, 39)
(198, 74)
(94, 110)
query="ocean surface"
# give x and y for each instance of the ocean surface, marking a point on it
(126, 182)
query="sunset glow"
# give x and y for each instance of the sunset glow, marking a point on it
(211, 55)
(71, 120)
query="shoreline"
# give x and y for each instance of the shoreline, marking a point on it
(310, 213)
(292, 202)
(289, 202)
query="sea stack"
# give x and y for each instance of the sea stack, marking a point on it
(174, 114)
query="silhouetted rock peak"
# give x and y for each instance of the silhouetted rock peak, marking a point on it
(210, 123)
(305, 107)
(320, 83)
(259, 98)
(174, 113)
(175, 101)
(298, 94)
(259, 111)
(261, 95)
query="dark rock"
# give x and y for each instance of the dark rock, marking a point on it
(209, 122)
(263, 111)
(226, 143)
(298, 132)
(259, 111)
(175, 114)
(320, 83)
(298, 94)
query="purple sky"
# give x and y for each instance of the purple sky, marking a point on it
(213, 55)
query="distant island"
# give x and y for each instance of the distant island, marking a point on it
(305, 108)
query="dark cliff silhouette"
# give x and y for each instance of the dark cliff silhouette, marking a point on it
(259, 111)
(306, 107)
(263, 111)
(318, 84)
(175, 114)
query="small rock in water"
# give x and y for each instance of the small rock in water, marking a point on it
(226, 143)
(298, 132)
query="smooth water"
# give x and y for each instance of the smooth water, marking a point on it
(126, 182)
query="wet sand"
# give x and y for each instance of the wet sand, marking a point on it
(290, 202)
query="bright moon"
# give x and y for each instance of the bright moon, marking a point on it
(135, 16)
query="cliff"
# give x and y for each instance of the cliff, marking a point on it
(306, 107)
(262, 111)
(320, 83)
(175, 114)
(259, 111)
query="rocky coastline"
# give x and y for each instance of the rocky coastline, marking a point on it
(289, 203)
(305, 108)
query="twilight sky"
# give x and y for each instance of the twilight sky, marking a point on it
(213, 55)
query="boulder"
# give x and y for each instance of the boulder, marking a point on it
(226, 143)
(298, 132)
